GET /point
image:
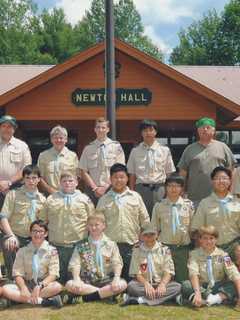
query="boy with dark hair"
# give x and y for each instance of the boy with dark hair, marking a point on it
(125, 214)
(149, 164)
(35, 271)
(172, 217)
(21, 207)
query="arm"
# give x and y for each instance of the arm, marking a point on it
(132, 181)
(12, 242)
(197, 301)
(149, 290)
(162, 287)
(45, 187)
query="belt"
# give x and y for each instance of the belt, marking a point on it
(152, 186)
(176, 246)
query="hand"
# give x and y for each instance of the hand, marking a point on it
(161, 290)
(12, 243)
(197, 300)
(149, 290)
(116, 284)
(100, 191)
(25, 292)
(77, 286)
(35, 295)
(4, 186)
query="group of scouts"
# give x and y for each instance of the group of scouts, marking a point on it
(141, 229)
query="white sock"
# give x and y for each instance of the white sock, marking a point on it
(214, 299)
(141, 300)
(39, 301)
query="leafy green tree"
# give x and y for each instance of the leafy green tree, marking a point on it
(54, 34)
(199, 42)
(128, 27)
(214, 40)
(17, 43)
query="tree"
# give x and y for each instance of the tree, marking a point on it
(55, 35)
(214, 40)
(16, 40)
(128, 27)
(199, 43)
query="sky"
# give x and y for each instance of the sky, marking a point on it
(162, 19)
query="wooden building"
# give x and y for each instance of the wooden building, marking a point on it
(72, 94)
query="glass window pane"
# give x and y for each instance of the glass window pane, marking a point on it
(235, 137)
(178, 141)
(163, 141)
(222, 136)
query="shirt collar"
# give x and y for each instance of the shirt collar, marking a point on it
(105, 142)
(154, 146)
(62, 152)
(179, 201)
(216, 198)
(154, 248)
(44, 246)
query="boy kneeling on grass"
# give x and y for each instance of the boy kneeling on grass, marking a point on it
(35, 271)
(213, 276)
(96, 264)
(152, 269)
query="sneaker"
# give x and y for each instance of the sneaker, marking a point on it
(4, 303)
(130, 302)
(55, 301)
(179, 299)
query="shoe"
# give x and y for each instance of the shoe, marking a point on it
(179, 299)
(130, 302)
(4, 303)
(55, 301)
(191, 297)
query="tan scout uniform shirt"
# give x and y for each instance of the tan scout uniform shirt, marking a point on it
(52, 164)
(14, 156)
(84, 260)
(211, 212)
(162, 262)
(139, 163)
(97, 160)
(162, 219)
(236, 182)
(199, 161)
(124, 215)
(222, 265)
(48, 261)
(16, 209)
(67, 221)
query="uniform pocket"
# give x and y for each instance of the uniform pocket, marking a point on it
(15, 156)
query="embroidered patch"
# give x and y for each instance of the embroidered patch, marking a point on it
(143, 267)
(220, 259)
(227, 261)
(54, 252)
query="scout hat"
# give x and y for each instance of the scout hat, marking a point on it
(205, 122)
(149, 229)
(9, 119)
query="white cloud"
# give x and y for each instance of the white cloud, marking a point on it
(74, 9)
(164, 11)
(157, 40)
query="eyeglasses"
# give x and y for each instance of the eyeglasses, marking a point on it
(38, 231)
(221, 179)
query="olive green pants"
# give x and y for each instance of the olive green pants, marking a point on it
(65, 254)
(180, 258)
(225, 287)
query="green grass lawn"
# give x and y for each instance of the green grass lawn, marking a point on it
(102, 311)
